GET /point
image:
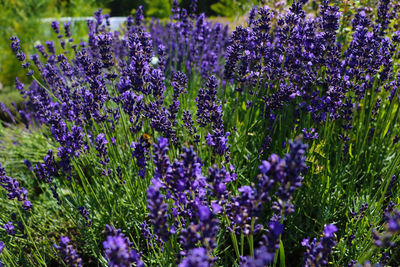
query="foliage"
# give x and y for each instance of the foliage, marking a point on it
(158, 8)
(232, 8)
(181, 143)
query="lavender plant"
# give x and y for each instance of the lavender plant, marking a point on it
(195, 146)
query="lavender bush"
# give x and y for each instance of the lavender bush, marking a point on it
(183, 143)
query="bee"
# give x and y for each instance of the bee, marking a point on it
(146, 140)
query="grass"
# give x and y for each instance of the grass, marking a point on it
(336, 183)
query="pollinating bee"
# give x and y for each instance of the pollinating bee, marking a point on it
(145, 139)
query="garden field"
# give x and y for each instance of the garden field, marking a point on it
(188, 142)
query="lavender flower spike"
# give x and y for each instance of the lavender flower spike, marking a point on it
(118, 251)
(317, 253)
(68, 253)
(197, 257)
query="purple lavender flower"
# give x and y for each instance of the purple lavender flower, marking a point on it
(193, 8)
(139, 18)
(206, 102)
(56, 27)
(50, 47)
(9, 227)
(209, 112)
(20, 86)
(317, 253)
(188, 122)
(175, 10)
(15, 44)
(162, 60)
(53, 188)
(14, 190)
(262, 257)
(179, 83)
(68, 253)
(218, 179)
(4, 109)
(104, 42)
(157, 85)
(243, 209)
(140, 152)
(101, 147)
(2, 246)
(203, 231)
(196, 257)
(286, 172)
(394, 222)
(28, 164)
(193, 44)
(186, 174)
(291, 178)
(98, 16)
(67, 29)
(388, 210)
(84, 212)
(133, 105)
(310, 134)
(129, 21)
(118, 250)
(161, 160)
(384, 15)
(42, 51)
(158, 210)
(160, 122)
(47, 170)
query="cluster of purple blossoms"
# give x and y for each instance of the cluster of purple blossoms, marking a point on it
(118, 250)
(281, 64)
(192, 44)
(317, 252)
(204, 231)
(14, 190)
(310, 134)
(277, 182)
(287, 173)
(209, 112)
(141, 153)
(2, 246)
(161, 159)
(360, 213)
(101, 147)
(392, 219)
(158, 210)
(262, 257)
(275, 64)
(9, 227)
(394, 222)
(14, 225)
(48, 169)
(5, 110)
(68, 253)
(185, 187)
(16, 48)
(179, 83)
(196, 257)
(85, 214)
(243, 209)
